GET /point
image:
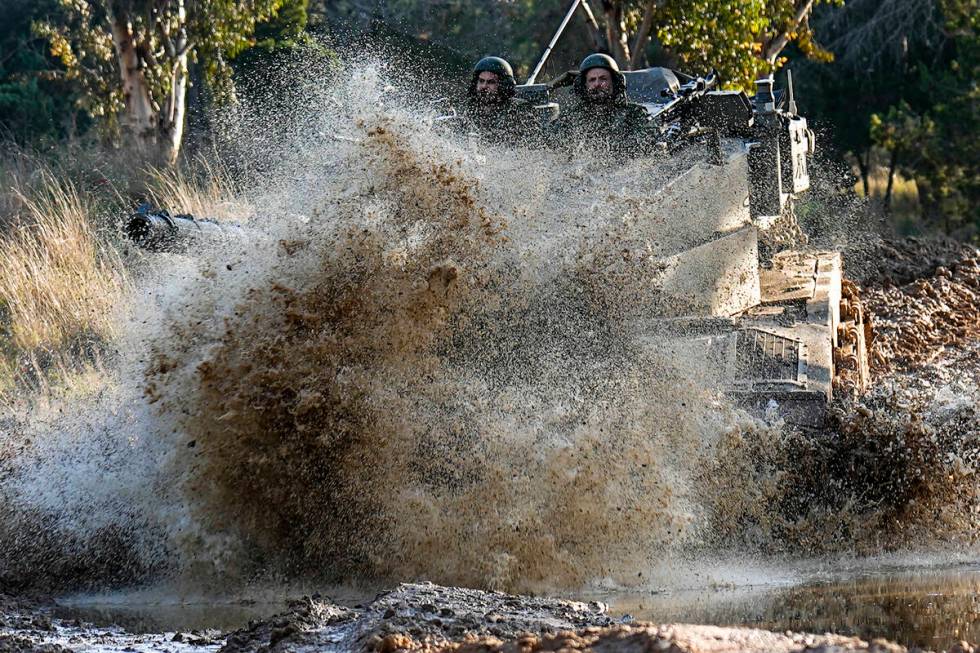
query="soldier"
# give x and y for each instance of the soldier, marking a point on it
(601, 118)
(491, 109)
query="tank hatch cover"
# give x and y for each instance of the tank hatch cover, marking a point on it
(768, 362)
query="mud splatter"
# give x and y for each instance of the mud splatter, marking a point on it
(427, 364)
(410, 393)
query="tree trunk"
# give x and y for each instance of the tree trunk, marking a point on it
(595, 32)
(643, 35)
(140, 118)
(172, 125)
(616, 35)
(776, 45)
(892, 164)
(864, 167)
(173, 117)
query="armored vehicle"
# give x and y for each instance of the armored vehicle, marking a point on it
(776, 324)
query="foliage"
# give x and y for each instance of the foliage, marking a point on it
(902, 89)
(458, 33)
(85, 52)
(129, 58)
(286, 30)
(279, 41)
(902, 82)
(743, 41)
(929, 131)
(33, 101)
(724, 36)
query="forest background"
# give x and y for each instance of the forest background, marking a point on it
(104, 103)
(892, 84)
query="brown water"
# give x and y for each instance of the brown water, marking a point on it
(926, 607)
(929, 607)
(436, 373)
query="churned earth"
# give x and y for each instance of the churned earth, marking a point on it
(437, 374)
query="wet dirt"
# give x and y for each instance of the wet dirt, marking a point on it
(428, 617)
(914, 438)
(903, 600)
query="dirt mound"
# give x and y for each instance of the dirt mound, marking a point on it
(666, 639)
(915, 321)
(873, 261)
(420, 612)
(426, 617)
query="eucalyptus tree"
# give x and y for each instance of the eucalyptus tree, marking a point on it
(130, 59)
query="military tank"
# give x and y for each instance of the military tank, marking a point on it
(776, 324)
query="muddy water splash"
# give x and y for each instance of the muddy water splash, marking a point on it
(430, 378)
(896, 468)
(427, 365)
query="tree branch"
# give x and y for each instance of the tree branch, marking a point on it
(777, 44)
(863, 33)
(165, 40)
(616, 31)
(598, 41)
(643, 34)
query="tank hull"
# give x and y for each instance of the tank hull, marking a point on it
(769, 334)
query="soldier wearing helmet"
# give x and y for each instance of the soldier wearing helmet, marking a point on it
(601, 117)
(491, 110)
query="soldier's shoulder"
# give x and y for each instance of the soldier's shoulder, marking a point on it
(637, 110)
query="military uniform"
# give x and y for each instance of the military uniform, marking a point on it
(514, 122)
(611, 125)
(508, 120)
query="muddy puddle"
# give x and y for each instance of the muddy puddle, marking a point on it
(165, 609)
(913, 603)
(928, 607)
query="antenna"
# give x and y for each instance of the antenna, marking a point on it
(554, 39)
(791, 109)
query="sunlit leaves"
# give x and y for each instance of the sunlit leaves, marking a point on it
(734, 38)
(87, 56)
(163, 33)
(929, 130)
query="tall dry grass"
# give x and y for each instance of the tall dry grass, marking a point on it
(61, 272)
(200, 187)
(59, 280)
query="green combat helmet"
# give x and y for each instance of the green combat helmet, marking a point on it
(599, 60)
(502, 69)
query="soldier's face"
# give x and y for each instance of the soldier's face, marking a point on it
(598, 83)
(487, 86)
